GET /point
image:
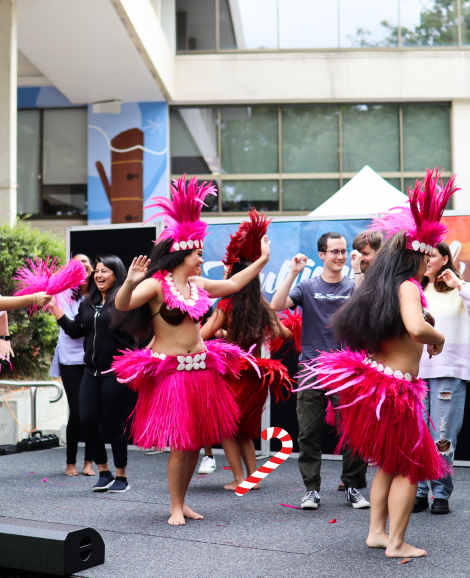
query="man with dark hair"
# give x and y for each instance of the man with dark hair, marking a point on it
(319, 297)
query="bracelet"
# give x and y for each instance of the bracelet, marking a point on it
(461, 284)
(360, 273)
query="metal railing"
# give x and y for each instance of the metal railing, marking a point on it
(33, 386)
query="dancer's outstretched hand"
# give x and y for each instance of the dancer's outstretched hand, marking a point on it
(297, 263)
(42, 298)
(138, 269)
(265, 247)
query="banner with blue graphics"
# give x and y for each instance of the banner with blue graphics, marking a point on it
(287, 239)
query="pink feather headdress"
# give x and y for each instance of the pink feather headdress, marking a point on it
(420, 222)
(181, 214)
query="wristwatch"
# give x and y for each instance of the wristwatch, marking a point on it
(461, 284)
(5, 337)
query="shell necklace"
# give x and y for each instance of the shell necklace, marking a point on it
(194, 292)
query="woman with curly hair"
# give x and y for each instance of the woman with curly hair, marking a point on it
(249, 321)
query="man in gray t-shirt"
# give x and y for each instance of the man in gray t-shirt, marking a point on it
(320, 298)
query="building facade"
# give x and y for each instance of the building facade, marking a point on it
(279, 102)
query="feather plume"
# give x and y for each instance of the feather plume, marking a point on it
(246, 243)
(420, 221)
(293, 322)
(181, 213)
(49, 276)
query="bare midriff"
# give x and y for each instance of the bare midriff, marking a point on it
(403, 353)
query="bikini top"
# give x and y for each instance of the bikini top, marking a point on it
(175, 307)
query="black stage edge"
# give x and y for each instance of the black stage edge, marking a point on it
(48, 548)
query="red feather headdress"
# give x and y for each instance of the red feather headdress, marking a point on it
(246, 243)
(181, 214)
(420, 222)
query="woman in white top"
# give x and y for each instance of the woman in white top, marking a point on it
(448, 375)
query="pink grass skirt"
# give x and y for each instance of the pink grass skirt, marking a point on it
(381, 414)
(184, 402)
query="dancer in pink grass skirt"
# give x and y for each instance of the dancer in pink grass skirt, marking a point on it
(381, 399)
(184, 399)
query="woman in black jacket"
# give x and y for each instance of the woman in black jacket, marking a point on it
(102, 397)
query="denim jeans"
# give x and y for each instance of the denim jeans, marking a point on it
(445, 405)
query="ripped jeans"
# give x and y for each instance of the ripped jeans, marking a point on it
(445, 405)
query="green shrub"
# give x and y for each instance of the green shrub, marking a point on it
(33, 338)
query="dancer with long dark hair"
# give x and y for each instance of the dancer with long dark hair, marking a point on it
(381, 400)
(184, 401)
(102, 397)
(249, 321)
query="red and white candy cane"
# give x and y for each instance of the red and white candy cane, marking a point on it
(272, 464)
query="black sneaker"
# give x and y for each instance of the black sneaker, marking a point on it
(310, 501)
(103, 483)
(421, 503)
(356, 499)
(440, 506)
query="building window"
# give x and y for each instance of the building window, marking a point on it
(212, 25)
(52, 162)
(287, 158)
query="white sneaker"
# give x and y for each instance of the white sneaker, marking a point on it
(310, 501)
(356, 499)
(207, 465)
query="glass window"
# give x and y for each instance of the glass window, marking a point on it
(395, 183)
(430, 23)
(426, 136)
(307, 194)
(258, 24)
(28, 161)
(250, 139)
(65, 146)
(371, 136)
(193, 141)
(465, 19)
(308, 24)
(64, 199)
(242, 195)
(310, 139)
(227, 37)
(368, 23)
(195, 25)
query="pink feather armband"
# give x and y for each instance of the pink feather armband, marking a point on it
(49, 276)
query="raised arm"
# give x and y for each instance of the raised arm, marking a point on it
(40, 299)
(129, 296)
(451, 280)
(238, 281)
(413, 320)
(281, 299)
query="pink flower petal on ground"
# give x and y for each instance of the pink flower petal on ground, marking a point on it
(45, 480)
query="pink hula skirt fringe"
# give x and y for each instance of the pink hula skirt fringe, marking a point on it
(381, 415)
(180, 408)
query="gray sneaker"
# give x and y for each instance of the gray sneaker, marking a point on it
(310, 501)
(356, 499)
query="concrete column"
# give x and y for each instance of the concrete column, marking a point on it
(460, 131)
(8, 106)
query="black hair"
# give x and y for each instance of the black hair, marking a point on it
(117, 267)
(323, 240)
(372, 314)
(441, 286)
(76, 293)
(252, 316)
(138, 321)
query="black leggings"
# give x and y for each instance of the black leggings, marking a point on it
(103, 398)
(71, 379)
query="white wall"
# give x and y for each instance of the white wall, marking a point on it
(460, 133)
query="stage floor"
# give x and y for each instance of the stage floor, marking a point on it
(251, 536)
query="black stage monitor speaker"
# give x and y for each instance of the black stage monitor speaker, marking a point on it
(58, 549)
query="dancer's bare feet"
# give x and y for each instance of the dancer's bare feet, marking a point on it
(71, 470)
(191, 514)
(377, 540)
(88, 469)
(176, 517)
(234, 485)
(404, 551)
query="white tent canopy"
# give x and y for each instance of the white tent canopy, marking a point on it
(365, 193)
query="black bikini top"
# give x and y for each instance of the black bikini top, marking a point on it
(174, 316)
